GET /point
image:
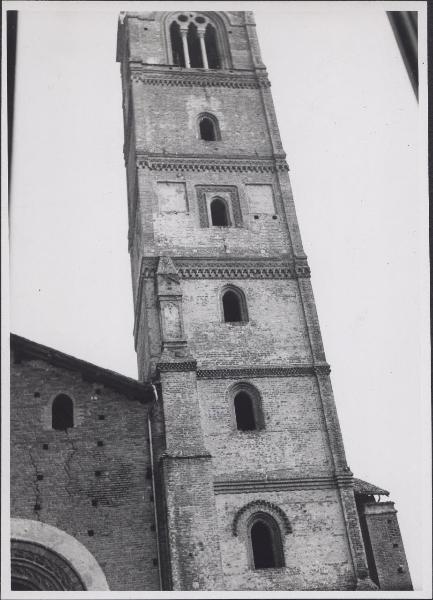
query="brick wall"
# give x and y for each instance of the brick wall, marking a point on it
(274, 335)
(316, 552)
(61, 477)
(292, 442)
(386, 545)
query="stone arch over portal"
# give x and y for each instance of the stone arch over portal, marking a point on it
(63, 551)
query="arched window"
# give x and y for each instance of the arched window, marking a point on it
(176, 45)
(210, 40)
(62, 413)
(207, 129)
(195, 55)
(244, 412)
(194, 42)
(219, 213)
(265, 542)
(246, 402)
(234, 306)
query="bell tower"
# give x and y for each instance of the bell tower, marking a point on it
(253, 491)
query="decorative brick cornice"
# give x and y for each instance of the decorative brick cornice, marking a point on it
(196, 78)
(241, 271)
(253, 372)
(190, 365)
(261, 506)
(217, 165)
(225, 268)
(275, 484)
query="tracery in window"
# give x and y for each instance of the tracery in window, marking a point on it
(194, 42)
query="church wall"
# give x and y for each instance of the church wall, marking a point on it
(167, 121)
(316, 551)
(123, 542)
(147, 39)
(292, 442)
(175, 228)
(275, 333)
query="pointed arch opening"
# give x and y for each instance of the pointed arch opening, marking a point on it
(197, 40)
(176, 45)
(62, 412)
(210, 40)
(265, 541)
(194, 48)
(219, 213)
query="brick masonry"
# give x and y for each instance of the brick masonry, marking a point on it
(61, 479)
(210, 478)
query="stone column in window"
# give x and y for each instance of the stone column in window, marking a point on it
(184, 33)
(200, 33)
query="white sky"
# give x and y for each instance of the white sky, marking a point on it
(350, 127)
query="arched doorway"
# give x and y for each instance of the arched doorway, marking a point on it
(45, 558)
(36, 567)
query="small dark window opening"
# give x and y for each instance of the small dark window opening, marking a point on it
(244, 411)
(211, 47)
(62, 413)
(232, 307)
(207, 130)
(176, 45)
(266, 545)
(195, 57)
(218, 212)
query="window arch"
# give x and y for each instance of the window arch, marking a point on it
(246, 407)
(208, 127)
(219, 213)
(197, 40)
(62, 413)
(234, 306)
(244, 412)
(210, 39)
(265, 543)
(176, 44)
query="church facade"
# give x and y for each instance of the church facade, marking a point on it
(223, 467)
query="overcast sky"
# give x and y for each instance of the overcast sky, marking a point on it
(350, 127)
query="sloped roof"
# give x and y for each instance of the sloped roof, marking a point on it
(368, 489)
(26, 349)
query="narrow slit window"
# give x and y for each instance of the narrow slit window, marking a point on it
(207, 130)
(266, 544)
(219, 213)
(232, 307)
(244, 412)
(62, 413)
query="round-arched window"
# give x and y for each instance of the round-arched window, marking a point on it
(265, 542)
(219, 213)
(62, 413)
(234, 306)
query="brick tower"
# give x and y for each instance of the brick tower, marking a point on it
(251, 483)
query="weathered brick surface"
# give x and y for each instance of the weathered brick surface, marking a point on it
(387, 546)
(292, 442)
(123, 542)
(316, 552)
(274, 335)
